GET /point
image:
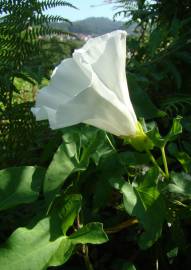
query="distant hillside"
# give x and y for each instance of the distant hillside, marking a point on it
(91, 26)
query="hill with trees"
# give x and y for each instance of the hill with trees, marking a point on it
(91, 26)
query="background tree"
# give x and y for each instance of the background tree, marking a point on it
(23, 28)
(161, 54)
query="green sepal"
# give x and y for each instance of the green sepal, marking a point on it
(140, 141)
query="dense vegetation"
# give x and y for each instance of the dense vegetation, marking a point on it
(79, 196)
(27, 56)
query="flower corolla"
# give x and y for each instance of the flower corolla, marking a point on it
(91, 88)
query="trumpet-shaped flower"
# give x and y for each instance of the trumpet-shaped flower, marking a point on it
(91, 88)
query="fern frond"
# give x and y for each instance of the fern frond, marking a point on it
(21, 25)
(177, 104)
(52, 4)
(47, 19)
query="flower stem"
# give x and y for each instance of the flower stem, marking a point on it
(153, 160)
(85, 251)
(165, 161)
(87, 261)
(122, 226)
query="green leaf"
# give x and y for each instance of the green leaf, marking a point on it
(80, 143)
(171, 254)
(31, 248)
(43, 245)
(121, 264)
(182, 157)
(175, 130)
(65, 162)
(115, 165)
(130, 158)
(146, 203)
(91, 233)
(128, 266)
(180, 184)
(63, 253)
(95, 144)
(160, 141)
(19, 185)
(150, 179)
(155, 137)
(144, 107)
(70, 206)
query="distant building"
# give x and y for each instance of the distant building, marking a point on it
(62, 37)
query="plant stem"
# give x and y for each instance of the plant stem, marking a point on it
(153, 160)
(88, 264)
(122, 226)
(165, 161)
(85, 251)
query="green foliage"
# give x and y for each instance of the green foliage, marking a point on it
(38, 249)
(79, 145)
(181, 156)
(180, 185)
(160, 51)
(45, 239)
(177, 104)
(144, 201)
(149, 110)
(45, 246)
(19, 185)
(157, 139)
(91, 233)
(21, 27)
(27, 56)
(123, 265)
(88, 184)
(69, 208)
(86, 177)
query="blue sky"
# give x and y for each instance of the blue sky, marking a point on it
(85, 10)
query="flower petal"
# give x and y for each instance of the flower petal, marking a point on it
(106, 56)
(67, 81)
(91, 88)
(98, 107)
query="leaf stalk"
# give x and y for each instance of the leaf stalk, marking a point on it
(165, 161)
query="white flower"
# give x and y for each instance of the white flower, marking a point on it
(91, 88)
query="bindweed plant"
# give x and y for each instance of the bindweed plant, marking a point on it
(88, 175)
(103, 198)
